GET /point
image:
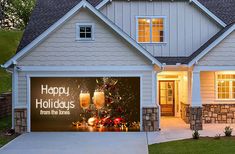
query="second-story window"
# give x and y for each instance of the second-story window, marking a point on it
(150, 30)
(84, 31)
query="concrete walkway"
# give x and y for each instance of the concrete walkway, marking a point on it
(176, 129)
(78, 143)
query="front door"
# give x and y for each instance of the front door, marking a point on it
(166, 97)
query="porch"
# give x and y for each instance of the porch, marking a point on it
(199, 98)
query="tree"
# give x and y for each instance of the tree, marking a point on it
(4, 19)
(22, 10)
(15, 13)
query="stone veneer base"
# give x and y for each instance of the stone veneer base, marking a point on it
(20, 120)
(185, 113)
(150, 116)
(195, 118)
(218, 113)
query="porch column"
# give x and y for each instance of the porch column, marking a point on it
(196, 90)
(156, 98)
(150, 113)
(196, 106)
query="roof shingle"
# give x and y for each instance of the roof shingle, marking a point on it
(223, 9)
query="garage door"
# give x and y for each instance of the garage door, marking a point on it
(85, 104)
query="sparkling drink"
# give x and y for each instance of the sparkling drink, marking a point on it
(85, 100)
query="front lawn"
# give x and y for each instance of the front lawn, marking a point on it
(5, 124)
(224, 145)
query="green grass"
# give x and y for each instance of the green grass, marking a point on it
(5, 124)
(9, 41)
(224, 145)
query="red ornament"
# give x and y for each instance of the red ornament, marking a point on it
(118, 121)
(106, 122)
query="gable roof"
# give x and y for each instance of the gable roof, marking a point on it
(44, 15)
(223, 9)
(210, 44)
(202, 51)
(67, 16)
(208, 7)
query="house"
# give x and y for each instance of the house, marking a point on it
(177, 58)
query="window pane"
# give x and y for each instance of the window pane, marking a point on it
(223, 89)
(233, 89)
(157, 30)
(88, 29)
(88, 35)
(82, 35)
(82, 29)
(143, 30)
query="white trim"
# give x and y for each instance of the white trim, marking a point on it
(212, 45)
(208, 12)
(21, 106)
(28, 103)
(155, 95)
(101, 4)
(154, 87)
(67, 16)
(214, 68)
(84, 68)
(159, 116)
(78, 25)
(130, 74)
(78, 74)
(151, 17)
(14, 94)
(196, 89)
(141, 103)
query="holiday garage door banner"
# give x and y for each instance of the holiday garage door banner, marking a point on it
(85, 104)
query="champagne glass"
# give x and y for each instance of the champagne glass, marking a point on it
(84, 102)
(99, 100)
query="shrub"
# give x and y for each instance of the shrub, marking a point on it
(228, 131)
(196, 134)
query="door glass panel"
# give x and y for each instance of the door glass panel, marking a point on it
(167, 98)
(166, 92)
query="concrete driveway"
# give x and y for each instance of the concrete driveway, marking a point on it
(78, 143)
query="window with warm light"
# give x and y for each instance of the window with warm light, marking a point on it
(150, 30)
(225, 86)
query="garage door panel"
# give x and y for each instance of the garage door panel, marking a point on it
(85, 104)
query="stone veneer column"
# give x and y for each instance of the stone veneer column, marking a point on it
(196, 118)
(196, 107)
(150, 119)
(20, 121)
